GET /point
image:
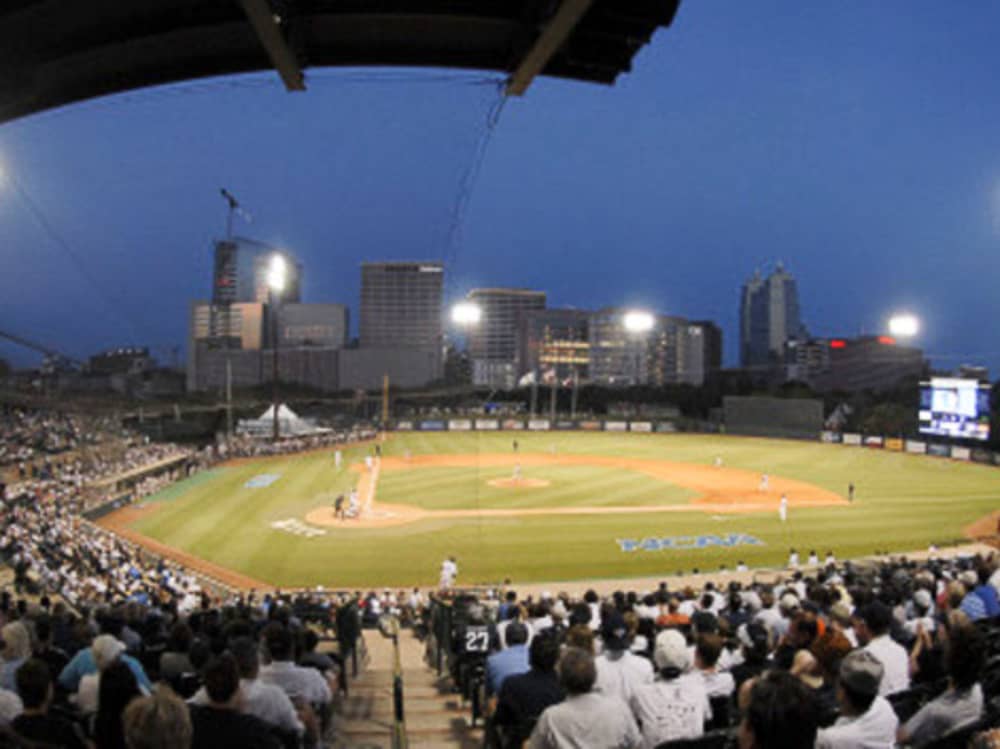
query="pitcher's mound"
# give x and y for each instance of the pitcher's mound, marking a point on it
(518, 483)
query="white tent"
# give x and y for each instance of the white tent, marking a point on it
(290, 424)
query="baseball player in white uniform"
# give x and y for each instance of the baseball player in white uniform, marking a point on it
(338, 459)
(783, 508)
(764, 482)
(352, 504)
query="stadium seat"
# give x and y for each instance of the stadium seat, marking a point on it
(711, 740)
(905, 704)
(958, 739)
(721, 713)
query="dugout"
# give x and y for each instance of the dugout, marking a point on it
(762, 416)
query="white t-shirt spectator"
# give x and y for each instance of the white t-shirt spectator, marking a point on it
(875, 729)
(669, 710)
(620, 673)
(297, 681)
(894, 660)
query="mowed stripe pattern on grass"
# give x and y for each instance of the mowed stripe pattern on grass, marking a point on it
(903, 502)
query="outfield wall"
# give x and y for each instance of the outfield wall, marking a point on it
(620, 426)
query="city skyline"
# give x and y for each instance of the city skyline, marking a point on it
(850, 146)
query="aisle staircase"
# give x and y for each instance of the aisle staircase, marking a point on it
(435, 716)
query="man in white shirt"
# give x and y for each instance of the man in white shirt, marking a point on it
(619, 672)
(866, 719)
(586, 718)
(306, 684)
(871, 624)
(265, 701)
(674, 707)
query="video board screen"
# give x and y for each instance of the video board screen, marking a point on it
(954, 407)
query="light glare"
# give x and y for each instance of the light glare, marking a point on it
(466, 314)
(904, 326)
(276, 273)
(638, 321)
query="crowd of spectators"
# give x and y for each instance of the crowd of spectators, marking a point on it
(114, 675)
(896, 653)
(31, 434)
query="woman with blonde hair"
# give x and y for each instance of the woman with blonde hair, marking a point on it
(160, 721)
(16, 650)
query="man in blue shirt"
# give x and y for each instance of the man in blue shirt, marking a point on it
(511, 660)
(987, 592)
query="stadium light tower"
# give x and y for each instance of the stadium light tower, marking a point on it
(276, 276)
(638, 323)
(466, 314)
(904, 325)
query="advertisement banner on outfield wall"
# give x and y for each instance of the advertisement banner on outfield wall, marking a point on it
(982, 455)
(830, 437)
(666, 427)
(852, 439)
(641, 426)
(432, 426)
(615, 426)
(590, 426)
(893, 443)
(459, 425)
(942, 451)
(872, 441)
(514, 424)
(538, 425)
(961, 453)
(564, 425)
(916, 447)
(404, 426)
(487, 425)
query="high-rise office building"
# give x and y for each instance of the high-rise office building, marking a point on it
(401, 305)
(241, 269)
(700, 343)
(554, 339)
(769, 318)
(493, 341)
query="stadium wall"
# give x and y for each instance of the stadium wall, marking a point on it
(760, 416)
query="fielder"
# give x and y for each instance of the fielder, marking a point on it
(718, 461)
(783, 508)
(764, 482)
(369, 463)
(352, 504)
(517, 472)
(338, 459)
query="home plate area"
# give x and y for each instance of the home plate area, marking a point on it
(297, 528)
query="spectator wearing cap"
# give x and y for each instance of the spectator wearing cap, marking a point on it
(986, 592)
(512, 660)
(675, 707)
(872, 624)
(586, 718)
(523, 697)
(107, 651)
(923, 610)
(962, 703)
(769, 616)
(83, 663)
(973, 605)
(778, 713)
(866, 719)
(619, 672)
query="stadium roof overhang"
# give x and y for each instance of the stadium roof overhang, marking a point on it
(54, 52)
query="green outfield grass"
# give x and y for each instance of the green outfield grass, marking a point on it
(903, 502)
(579, 486)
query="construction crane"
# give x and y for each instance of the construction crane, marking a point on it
(53, 358)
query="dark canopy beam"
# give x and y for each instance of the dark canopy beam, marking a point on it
(54, 52)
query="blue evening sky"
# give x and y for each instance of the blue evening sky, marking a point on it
(857, 142)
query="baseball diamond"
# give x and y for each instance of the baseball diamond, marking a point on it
(582, 496)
